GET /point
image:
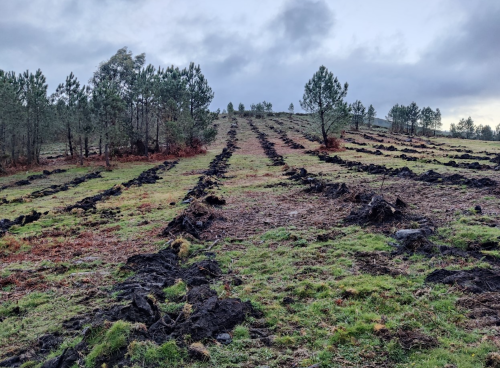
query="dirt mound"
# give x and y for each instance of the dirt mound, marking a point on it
(364, 150)
(406, 158)
(290, 142)
(22, 220)
(456, 179)
(378, 211)
(362, 197)
(385, 148)
(467, 156)
(214, 200)
(476, 280)
(409, 150)
(194, 220)
(214, 316)
(330, 190)
(369, 137)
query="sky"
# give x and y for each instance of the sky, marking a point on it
(439, 53)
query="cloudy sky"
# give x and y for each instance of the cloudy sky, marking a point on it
(439, 53)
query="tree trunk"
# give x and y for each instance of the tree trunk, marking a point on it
(100, 145)
(157, 148)
(69, 141)
(147, 133)
(106, 152)
(86, 142)
(81, 150)
(323, 131)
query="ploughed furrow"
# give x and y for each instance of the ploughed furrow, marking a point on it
(216, 169)
(31, 178)
(56, 188)
(199, 215)
(429, 176)
(288, 141)
(149, 176)
(267, 146)
(139, 296)
(403, 156)
(22, 220)
(373, 210)
(146, 177)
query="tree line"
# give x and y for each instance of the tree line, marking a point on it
(126, 104)
(466, 128)
(413, 120)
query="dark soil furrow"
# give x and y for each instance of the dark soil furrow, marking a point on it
(149, 176)
(267, 146)
(56, 188)
(31, 178)
(429, 176)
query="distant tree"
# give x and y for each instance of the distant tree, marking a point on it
(107, 106)
(291, 109)
(324, 99)
(397, 117)
(260, 110)
(370, 116)
(33, 96)
(268, 107)
(454, 131)
(466, 127)
(486, 133)
(497, 132)
(253, 109)
(358, 112)
(426, 120)
(436, 121)
(413, 114)
(230, 109)
(241, 109)
(67, 96)
(224, 111)
(200, 95)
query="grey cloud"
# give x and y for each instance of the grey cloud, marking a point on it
(305, 23)
(473, 40)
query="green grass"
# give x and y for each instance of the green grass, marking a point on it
(335, 306)
(108, 342)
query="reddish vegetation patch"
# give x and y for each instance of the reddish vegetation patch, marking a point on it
(333, 145)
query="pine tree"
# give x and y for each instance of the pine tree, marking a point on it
(324, 99)
(358, 112)
(370, 116)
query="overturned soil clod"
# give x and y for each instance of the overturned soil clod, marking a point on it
(206, 318)
(22, 220)
(476, 280)
(377, 211)
(194, 220)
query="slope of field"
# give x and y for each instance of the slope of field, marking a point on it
(262, 252)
